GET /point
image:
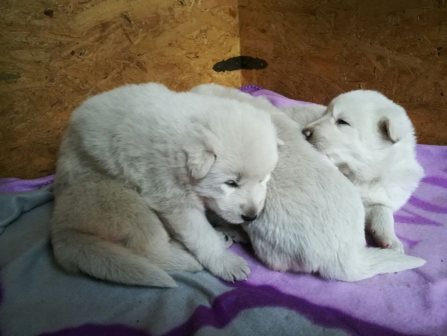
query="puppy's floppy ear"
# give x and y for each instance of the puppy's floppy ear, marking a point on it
(199, 161)
(200, 151)
(389, 131)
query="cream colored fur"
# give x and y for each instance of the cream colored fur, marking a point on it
(371, 140)
(313, 220)
(139, 164)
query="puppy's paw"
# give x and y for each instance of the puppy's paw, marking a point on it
(225, 237)
(230, 267)
(395, 244)
(391, 242)
(235, 232)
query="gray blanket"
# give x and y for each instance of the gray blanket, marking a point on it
(39, 298)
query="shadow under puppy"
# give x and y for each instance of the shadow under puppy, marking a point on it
(371, 140)
(313, 220)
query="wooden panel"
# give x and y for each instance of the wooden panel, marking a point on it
(55, 54)
(319, 49)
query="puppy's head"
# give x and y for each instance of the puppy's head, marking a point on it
(231, 168)
(359, 130)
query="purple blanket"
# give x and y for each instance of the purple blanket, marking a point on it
(413, 302)
(12, 185)
(408, 303)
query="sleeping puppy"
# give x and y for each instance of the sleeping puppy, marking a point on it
(371, 140)
(313, 220)
(142, 158)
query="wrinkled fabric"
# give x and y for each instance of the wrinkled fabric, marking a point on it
(39, 298)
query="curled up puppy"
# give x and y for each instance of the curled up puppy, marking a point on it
(137, 168)
(372, 142)
(313, 220)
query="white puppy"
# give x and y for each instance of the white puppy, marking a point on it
(142, 153)
(371, 140)
(313, 220)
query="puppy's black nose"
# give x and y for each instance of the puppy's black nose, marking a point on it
(307, 132)
(249, 219)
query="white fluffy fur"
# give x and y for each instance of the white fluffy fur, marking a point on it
(376, 151)
(313, 220)
(141, 156)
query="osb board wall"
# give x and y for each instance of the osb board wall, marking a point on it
(55, 54)
(319, 49)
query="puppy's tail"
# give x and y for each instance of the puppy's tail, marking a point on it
(77, 251)
(373, 261)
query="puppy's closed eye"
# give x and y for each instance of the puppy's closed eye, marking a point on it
(232, 184)
(342, 122)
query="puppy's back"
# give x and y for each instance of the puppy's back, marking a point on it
(309, 203)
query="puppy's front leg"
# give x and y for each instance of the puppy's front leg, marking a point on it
(196, 233)
(380, 223)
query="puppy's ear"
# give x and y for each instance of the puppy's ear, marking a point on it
(389, 131)
(200, 151)
(199, 161)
